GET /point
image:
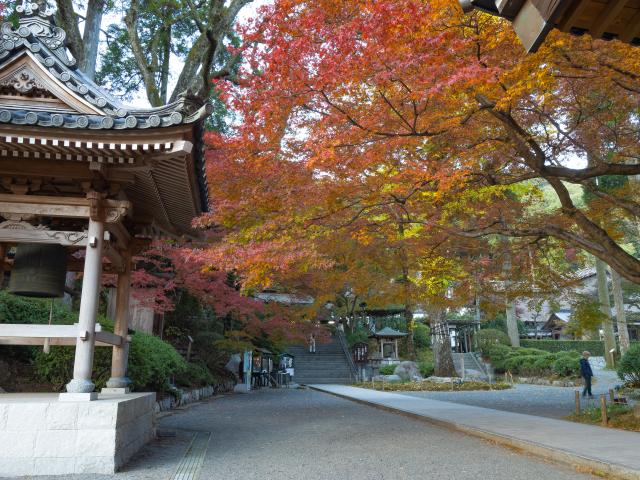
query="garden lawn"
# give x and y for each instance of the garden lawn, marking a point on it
(620, 416)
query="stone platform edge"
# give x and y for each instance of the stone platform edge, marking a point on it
(578, 462)
(40, 435)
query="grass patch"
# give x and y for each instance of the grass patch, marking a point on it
(620, 416)
(432, 386)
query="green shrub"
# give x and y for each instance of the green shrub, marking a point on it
(387, 369)
(533, 361)
(15, 309)
(629, 366)
(56, 367)
(489, 337)
(595, 347)
(151, 364)
(424, 356)
(498, 354)
(542, 365)
(512, 364)
(426, 369)
(521, 363)
(421, 336)
(196, 375)
(530, 351)
(357, 336)
(567, 366)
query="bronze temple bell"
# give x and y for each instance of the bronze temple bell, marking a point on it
(39, 270)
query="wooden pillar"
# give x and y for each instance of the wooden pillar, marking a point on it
(3, 254)
(89, 299)
(120, 355)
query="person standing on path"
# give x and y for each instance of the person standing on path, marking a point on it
(587, 373)
(312, 343)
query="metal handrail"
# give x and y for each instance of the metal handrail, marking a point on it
(347, 353)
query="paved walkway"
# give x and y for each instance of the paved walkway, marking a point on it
(293, 434)
(607, 451)
(553, 402)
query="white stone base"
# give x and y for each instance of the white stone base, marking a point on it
(241, 388)
(114, 391)
(41, 435)
(78, 397)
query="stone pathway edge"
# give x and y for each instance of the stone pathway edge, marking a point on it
(578, 462)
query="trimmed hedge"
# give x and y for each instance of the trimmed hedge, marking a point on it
(533, 361)
(595, 347)
(567, 366)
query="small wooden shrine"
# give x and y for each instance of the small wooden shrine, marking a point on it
(387, 339)
(81, 171)
(533, 19)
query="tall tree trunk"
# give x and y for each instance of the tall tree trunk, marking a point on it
(512, 323)
(621, 318)
(510, 303)
(605, 308)
(478, 318)
(407, 294)
(164, 70)
(441, 344)
(408, 318)
(91, 37)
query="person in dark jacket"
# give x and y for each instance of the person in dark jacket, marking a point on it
(587, 373)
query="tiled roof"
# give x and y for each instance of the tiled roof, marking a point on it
(38, 37)
(388, 332)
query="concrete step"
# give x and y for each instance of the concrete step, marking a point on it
(322, 374)
(338, 381)
(327, 365)
(322, 365)
(473, 366)
(321, 361)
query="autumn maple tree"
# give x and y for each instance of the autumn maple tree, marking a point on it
(425, 132)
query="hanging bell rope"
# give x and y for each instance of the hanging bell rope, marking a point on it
(46, 348)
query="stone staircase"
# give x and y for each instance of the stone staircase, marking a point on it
(328, 365)
(474, 367)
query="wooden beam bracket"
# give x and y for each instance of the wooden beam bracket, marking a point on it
(26, 206)
(22, 232)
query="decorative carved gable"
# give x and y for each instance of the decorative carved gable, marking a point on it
(25, 84)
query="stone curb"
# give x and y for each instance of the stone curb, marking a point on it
(169, 403)
(578, 462)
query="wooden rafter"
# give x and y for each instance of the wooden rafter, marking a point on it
(533, 19)
(603, 21)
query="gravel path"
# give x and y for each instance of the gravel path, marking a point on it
(302, 434)
(306, 435)
(554, 402)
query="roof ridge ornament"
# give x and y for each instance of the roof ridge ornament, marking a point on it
(35, 24)
(90, 106)
(30, 9)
